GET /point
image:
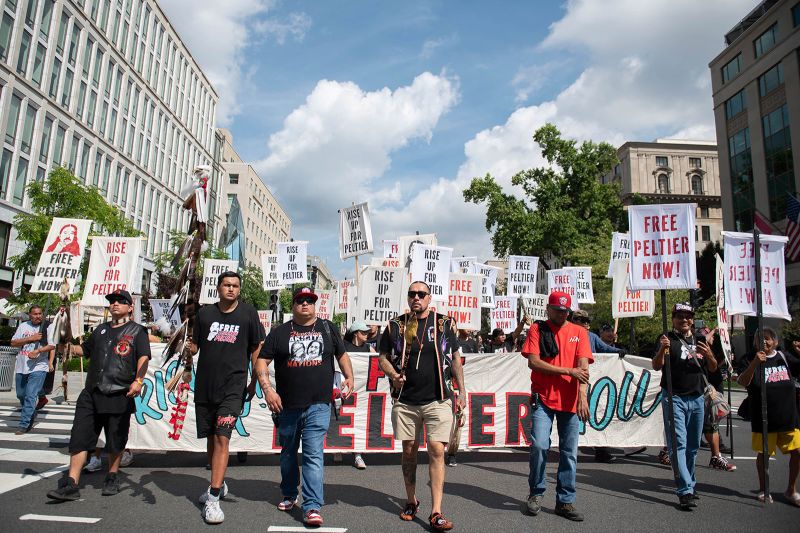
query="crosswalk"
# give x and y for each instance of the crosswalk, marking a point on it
(40, 453)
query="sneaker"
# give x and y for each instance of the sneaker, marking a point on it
(67, 491)
(439, 523)
(602, 455)
(94, 464)
(534, 504)
(212, 512)
(695, 496)
(359, 463)
(287, 504)
(451, 460)
(686, 501)
(663, 458)
(720, 463)
(110, 485)
(313, 518)
(567, 510)
(42, 402)
(127, 458)
(222, 493)
(22, 431)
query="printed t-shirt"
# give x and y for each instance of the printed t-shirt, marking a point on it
(781, 403)
(23, 363)
(559, 392)
(686, 366)
(303, 357)
(226, 341)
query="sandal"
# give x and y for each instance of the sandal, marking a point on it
(440, 523)
(794, 498)
(761, 497)
(410, 511)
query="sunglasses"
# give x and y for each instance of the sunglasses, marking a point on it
(583, 320)
(304, 300)
(118, 301)
(419, 294)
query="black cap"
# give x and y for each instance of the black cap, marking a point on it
(120, 295)
(683, 307)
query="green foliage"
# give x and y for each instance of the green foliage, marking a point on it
(253, 288)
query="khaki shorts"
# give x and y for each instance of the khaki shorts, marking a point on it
(407, 421)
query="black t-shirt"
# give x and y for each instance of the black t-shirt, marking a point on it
(226, 341)
(468, 345)
(686, 366)
(781, 403)
(303, 358)
(506, 346)
(349, 347)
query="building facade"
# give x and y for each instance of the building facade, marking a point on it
(107, 89)
(668, 171)
(756, 90)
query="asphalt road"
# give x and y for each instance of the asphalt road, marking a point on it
(485, 492)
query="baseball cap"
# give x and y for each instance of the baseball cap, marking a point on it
(120, 295)
(580, 313)
(358, 325)
(304, 292)
(683, 307)
(606, 327)
(559, 300)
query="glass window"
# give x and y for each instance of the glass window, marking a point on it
(770, 80)
(81, 100)
(87, 56)
(47, 16)
(30, 13)
(779, 161)
(38, 64)
(27, 129)
(766, 40)
(24, 50)
(663, 184)
(706, 232)
(73, 152)
(695, 162)
(73, 44)
(19, 182)
(104, 16)
(84, 161)
(66, 90)
(62, 32)
(40, 174)
(234, 178)
(54, 76)
(44, 146)
(103, 117)
(91, 108)
(741, 179)
(662, 161)
(98, 61)
(117, 86)
(58, 146)
(98, 162)
(796, 15)
(5, 35)
(697, 184)
(112, 126)
(106, 174)
(704, 212)
(735, 104)
(13, 118)
(5, 169)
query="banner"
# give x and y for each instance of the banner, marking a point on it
(62, 255)
(355, 231)
(292, 257)
(740, 275)
(160, 308)
(583, 284)
(342, 286)
(352, 304)
(488, 285)
(522, 271)
(723, 328)
(269, 272)
(393, 262)
(112, 266)
(662, 246)
(504, 314)
(620, 249)
(381, 294)
(431, 264)
(464, 265)
(563, 280)
(325, 304)
(391, 249)
(265, 317)
(464, 300)
(534, 308)
(407, 243)
(625, 302)
(212, 268)
(624, 409)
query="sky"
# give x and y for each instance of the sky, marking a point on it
(401, 104)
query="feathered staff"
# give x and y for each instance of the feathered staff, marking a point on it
(62, 333)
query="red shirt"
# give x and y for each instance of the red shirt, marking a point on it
(559, 392)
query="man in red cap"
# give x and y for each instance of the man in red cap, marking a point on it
(558, 355)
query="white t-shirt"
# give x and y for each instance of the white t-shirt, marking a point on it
(24, 364)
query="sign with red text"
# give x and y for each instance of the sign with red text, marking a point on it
(723, 327)
(62, 255)
(292, 259)
(625, 302)
(112, 266)
(583, 284)
(488, 285)
(504, 314)
(391, 249)
(662, 246)
(355, 231)
(342, 286)
(212, 268)
(431, 264)
(620, 249)
(380, 295)
(325, 304)
(269, 272)
(522, 271)
(265, 317)
(563, 280)
(464, 265)
(464, 300)
(407, 243)
(740, 275)
(352, 303)
(534, 308)
(393, 262)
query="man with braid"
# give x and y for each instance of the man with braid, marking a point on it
(419, 352)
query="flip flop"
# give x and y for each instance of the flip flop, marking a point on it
(794, 498)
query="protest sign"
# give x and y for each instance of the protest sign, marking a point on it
(406, 246)
(380, 295)
(723, 331)
(287, 317)
(504, 314)
(112, 266)
(431, 264)
(391, 249)
(662, 246)
(342, 286)
(212, 268)
(563, 280)
(488, 285)
(464, 300)
(625, 302)
(620, 249)
(522, 271)
(325, 304)
(352, 303)
(385, 262)
(583, 284)
(355, 231)
(269, 272)
(292, 257)
(740, 275)
(534, 308)
(160, 308)
(265, 317)
(62, 255)
(464, 265)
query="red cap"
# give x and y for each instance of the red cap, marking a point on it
(560, 300)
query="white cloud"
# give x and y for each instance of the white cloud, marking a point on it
(296, 25)
(431, 45)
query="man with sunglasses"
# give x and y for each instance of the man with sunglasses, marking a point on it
(419, 353)
(559, 355)
(302, 396)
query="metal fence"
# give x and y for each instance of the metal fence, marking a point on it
(8, 355)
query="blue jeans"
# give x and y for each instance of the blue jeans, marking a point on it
(309, 425)
(28, 387)
(568, 430)
(688, 427)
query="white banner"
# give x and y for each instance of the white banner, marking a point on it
(534, 308)
(292, 257)
(269, 272)
(625, 302)
(723, 328)
(464, 300)
(563, 280)
(624, 409)
(620, 249)
(160, 308)
(381, 294)
(342, 286)
(62, 255)
(393, 262)
(352, 303)
(522, 271)
(431, 264)
(112, 266)
(583, 284)
(265, 317)
(488, 285)
(212, 268)
(406, 246)
(355, 231)
(662, 246)
(740, 277)
(391, 249)
(504, 314)
(464, 265)
(325, 304)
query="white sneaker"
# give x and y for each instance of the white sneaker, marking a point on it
(127, 458)
(222, 493)
(94, 464)
(359, 462)
(212, 513)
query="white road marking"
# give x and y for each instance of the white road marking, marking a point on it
(33, 456)
(56, 518)
(9, 482)
(15, 415)
(49, 438)
(67, 426)
(290, 529)
(739, 458)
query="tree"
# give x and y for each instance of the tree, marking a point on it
(253, 288)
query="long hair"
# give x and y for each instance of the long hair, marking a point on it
(765, 332)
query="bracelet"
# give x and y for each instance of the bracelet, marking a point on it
(140, 381)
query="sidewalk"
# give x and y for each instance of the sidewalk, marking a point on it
(74, 387)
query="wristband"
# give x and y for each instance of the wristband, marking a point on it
(140, 381)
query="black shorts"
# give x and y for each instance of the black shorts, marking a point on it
(88, 423)
(218, 418)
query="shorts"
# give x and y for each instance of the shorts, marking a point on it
(218, 418)
(785, 440)
(88, 423)
(710, 425)
(436, 416)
